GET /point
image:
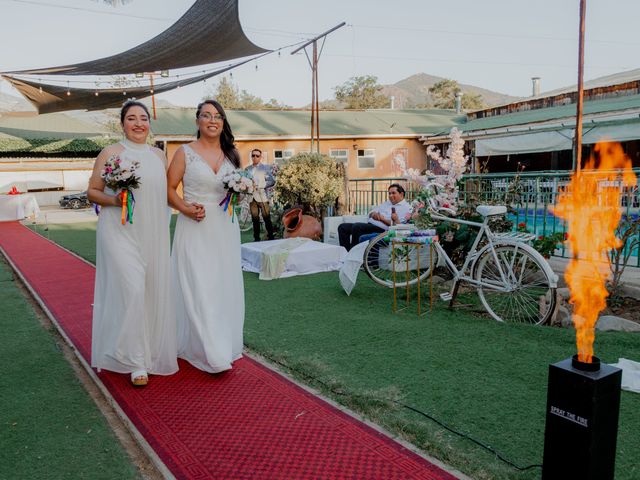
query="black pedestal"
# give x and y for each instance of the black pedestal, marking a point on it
(582, 421)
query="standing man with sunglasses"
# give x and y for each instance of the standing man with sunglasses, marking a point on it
(262, 179)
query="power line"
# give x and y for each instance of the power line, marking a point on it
(485, 34)
(90, 10)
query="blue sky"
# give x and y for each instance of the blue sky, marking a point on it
(494, 44)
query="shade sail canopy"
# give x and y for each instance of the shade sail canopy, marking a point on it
(209, 32)
(49, 98)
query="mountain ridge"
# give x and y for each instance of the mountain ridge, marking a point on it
(414, 90)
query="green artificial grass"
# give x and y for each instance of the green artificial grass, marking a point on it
(481, 378)
(50, 427)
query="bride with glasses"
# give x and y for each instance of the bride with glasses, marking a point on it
(206, 265)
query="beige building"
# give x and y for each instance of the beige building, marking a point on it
(367, 141)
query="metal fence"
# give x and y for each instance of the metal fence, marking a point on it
(532, 197)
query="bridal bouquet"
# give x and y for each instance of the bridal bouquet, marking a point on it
(119, 175)
(237, 184)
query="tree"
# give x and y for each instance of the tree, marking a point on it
(444, 96)
(226, 93)
(231, 98)
(250, 102)
(362, 92)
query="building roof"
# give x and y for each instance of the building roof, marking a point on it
(296, 123)
(609, 105)
(606, 81)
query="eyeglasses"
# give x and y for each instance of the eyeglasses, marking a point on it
(208, 117)
(255, 154)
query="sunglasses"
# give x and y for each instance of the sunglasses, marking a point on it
(255, 154)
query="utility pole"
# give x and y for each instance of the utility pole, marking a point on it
(313, 63)
(162, 73)
(577, 150)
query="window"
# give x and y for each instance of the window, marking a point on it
(339, 154)
(367, 158)
(280, 156)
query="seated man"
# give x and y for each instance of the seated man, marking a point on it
(391, 212)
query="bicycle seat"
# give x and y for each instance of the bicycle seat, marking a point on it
(488, 210)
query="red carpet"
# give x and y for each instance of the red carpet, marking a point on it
(249, 423)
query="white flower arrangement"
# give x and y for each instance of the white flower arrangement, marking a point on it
(454, 163)
(238, 181)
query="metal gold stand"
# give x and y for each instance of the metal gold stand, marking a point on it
(418, 247)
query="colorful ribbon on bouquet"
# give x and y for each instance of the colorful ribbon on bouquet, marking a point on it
(229, 203)
(128, 205)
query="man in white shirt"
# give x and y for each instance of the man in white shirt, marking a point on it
(395, 210)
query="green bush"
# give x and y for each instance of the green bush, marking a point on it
(311, 180)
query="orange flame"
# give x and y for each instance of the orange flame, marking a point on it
(591, 206)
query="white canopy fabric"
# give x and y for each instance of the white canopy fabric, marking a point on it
(529, 143)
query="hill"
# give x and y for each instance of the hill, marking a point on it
(414, 90)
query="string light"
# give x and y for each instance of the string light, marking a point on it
(256, 67)
(124, 94)
(97, 93)
(68, 89)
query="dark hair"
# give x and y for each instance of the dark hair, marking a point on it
(256, 150)
(226, 138)
(397, 186)
(132, 103)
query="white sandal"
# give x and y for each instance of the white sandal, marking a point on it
(139, 378)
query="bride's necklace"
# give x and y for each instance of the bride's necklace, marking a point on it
(218, 162)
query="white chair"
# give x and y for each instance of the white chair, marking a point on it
(331, 226)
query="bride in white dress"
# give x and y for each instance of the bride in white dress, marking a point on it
(206, 266)
(133, 324)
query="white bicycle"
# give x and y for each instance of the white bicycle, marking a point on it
(514, 282)
(243, 214)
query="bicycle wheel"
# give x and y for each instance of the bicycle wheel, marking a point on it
(244, 217)
(379, 262)
(526, 296)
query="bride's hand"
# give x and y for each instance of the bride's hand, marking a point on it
(201, 213)
(195, 211)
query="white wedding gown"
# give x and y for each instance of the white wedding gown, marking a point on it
(207, 272)
(133, 323)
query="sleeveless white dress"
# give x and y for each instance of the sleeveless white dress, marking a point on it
(207, 272)
(133, 323)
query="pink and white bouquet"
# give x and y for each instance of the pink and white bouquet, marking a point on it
(119, 174)
(237, 183)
